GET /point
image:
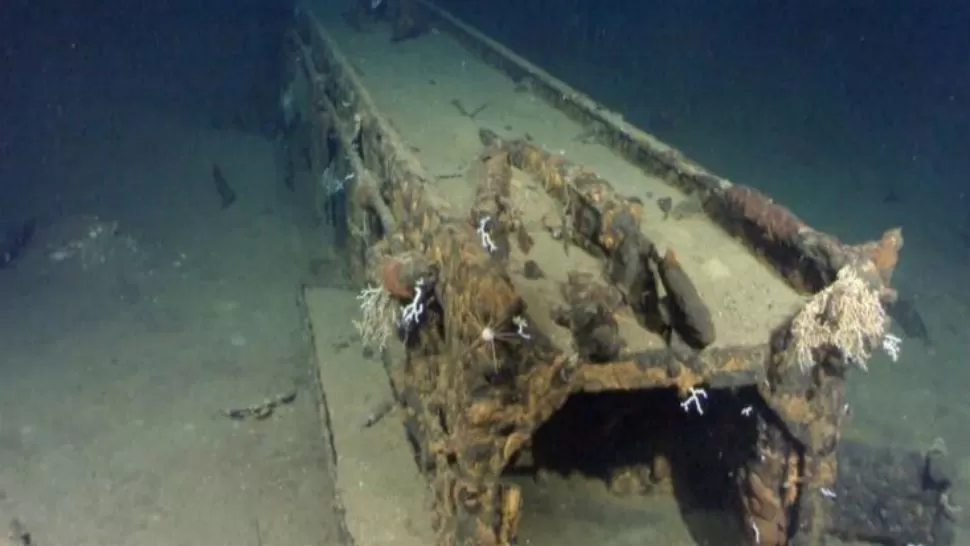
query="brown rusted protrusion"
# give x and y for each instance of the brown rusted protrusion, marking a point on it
(597, 217)
(807, 258)
(400, 274)
(392, 282)
(511, 512)
(884, 253)
(770, 221)
(590, 317)
(688, 314)
(492, 205)
(771, 485)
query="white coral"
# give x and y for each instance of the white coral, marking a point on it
(378, 312)
(847, 317)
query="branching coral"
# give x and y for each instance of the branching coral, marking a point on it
(846, 317)
(379, 315)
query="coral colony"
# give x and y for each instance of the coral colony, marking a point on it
(848, 317)
(892, 345)
(489, 335)
(412, 312)
(332, 182)
(694, 401)
(375, 304)
(379, 314)
(486, 238)
(520, 325)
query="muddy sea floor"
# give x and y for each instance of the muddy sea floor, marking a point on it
(141, 311)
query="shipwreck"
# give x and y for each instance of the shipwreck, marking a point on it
(604, 307)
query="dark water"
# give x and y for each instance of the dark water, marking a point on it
(761, 91)
(217, 64)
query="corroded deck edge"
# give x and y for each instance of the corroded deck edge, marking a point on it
(344, 536)
(384, 161)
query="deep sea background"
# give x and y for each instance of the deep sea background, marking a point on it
(853, 113)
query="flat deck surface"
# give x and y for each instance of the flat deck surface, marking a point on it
(416, 85)
(386, 502)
